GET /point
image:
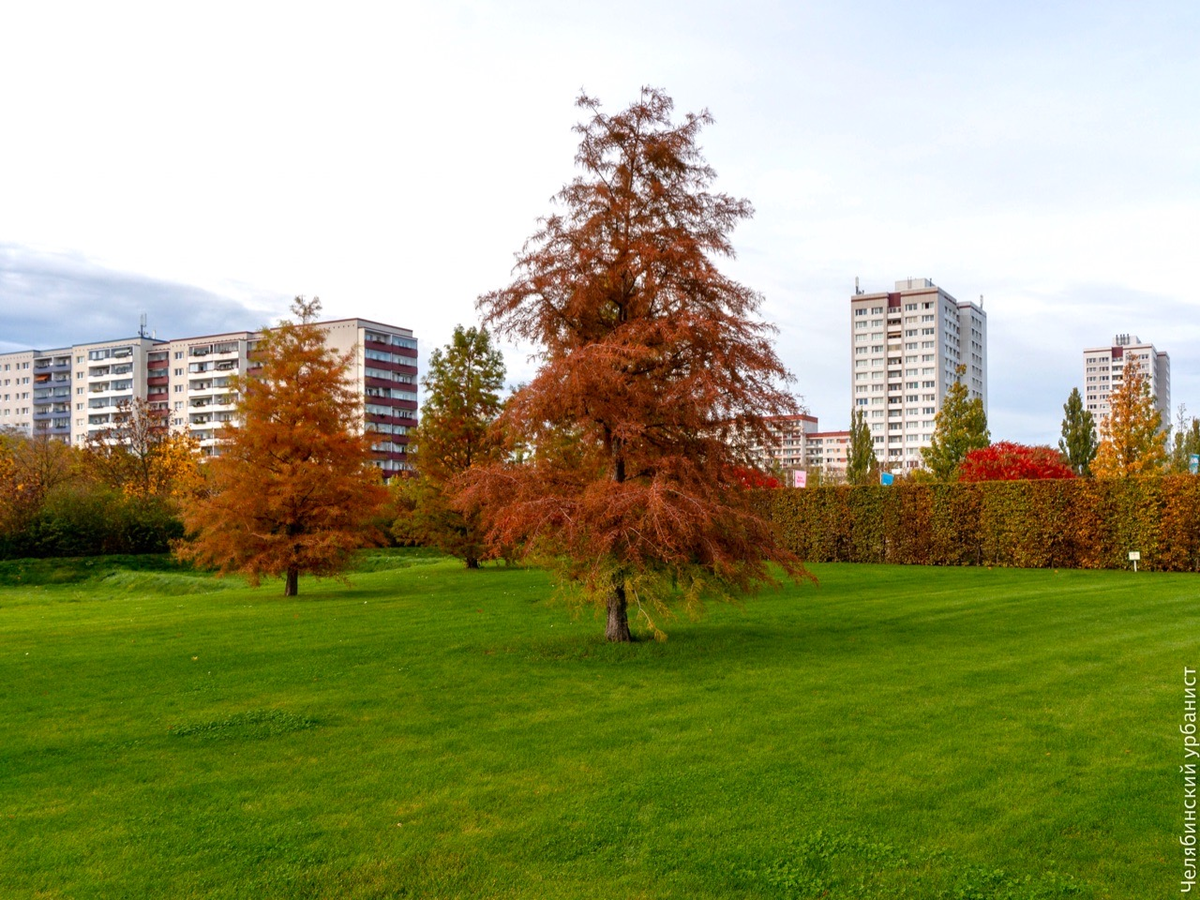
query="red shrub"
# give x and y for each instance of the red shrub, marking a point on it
(1006, 461)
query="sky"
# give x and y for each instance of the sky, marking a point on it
(202, 164)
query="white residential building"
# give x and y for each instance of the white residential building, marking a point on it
(1103, 369)
(75, 391)
(906, 346)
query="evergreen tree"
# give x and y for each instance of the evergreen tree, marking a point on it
(1078, 442)
(1132, 439)
(860, 454)
(959, 427)
(462, 400)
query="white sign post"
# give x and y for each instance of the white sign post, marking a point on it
(1134, 556)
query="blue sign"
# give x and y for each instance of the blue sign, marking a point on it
(1194, 463)
(886, 478)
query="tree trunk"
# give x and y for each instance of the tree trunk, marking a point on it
(291, 586)
(617, 630)
(472, 562)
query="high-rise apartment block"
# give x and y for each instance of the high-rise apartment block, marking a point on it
(906, 348)
(73, 392)
(1103, 369)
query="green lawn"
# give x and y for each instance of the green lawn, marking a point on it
(965, 734)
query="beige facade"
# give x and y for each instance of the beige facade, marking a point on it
(1103, 372)
(906, 346)
(828, 452)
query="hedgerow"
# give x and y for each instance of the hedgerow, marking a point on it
(1061, 523)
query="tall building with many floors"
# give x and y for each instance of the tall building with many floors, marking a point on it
(906, 347)
(1103, 371)
(73, 392)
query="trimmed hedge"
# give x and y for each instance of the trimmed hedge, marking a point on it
(1070, 523)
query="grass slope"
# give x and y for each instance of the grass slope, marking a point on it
(963, 734)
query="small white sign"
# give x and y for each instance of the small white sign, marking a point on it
(1134, 556)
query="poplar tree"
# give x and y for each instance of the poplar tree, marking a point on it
(860, 453)
(1078, 442)
(959, 427)
(655, 380)
(293, 488)
(1132, 439)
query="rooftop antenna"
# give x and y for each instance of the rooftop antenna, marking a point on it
(142, 326)
(981, 301)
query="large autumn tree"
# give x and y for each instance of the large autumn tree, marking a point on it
(293, 487)
(655, 379)
(462, 400)
(959, 427)
(1132, 437)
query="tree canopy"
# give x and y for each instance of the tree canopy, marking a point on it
(1078, 442)
(655, 378)
(293, 487)
(959, 427)
(462, 400)
(1132, 437)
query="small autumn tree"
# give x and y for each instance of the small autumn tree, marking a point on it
(462, 400)
(33, 468)
(1132, 439)
(959, 427)
(141, 457)
(861, 463)
(1008, 461)
(655, 379)
(1078, 442)
(294, 487)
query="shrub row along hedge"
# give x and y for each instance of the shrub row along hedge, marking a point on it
(1076, 523)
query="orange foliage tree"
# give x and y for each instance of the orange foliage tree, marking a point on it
(655, 377)
(1132, 439)
(293, 488)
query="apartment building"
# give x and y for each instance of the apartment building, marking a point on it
(74, 392)
(1103, 369)
(906, 347)
(828, 452)
(787, 448)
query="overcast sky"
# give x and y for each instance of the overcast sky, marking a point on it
(204, 163)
